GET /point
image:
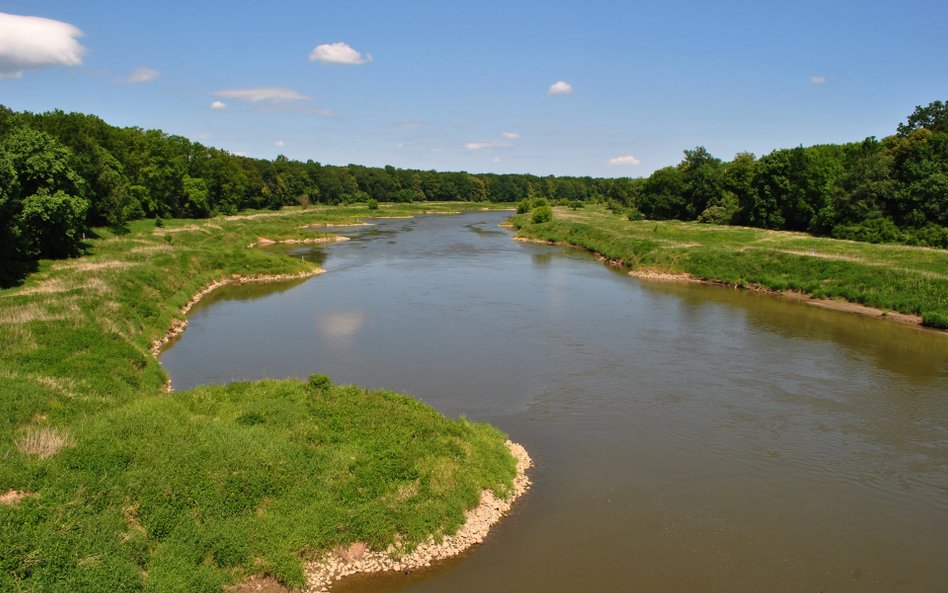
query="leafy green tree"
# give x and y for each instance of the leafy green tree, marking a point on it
(702, 175)
(40, 162)
(933, 117)
(196, 204)
(920, 166)
(663, 195)
(624, 191)
(51, 225)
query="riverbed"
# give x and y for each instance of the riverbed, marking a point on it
(686, 437)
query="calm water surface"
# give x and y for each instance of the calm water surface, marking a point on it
(687, 438)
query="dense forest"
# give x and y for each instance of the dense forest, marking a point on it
(889, 190)
(63, 173)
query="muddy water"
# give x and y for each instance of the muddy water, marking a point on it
(688, 438)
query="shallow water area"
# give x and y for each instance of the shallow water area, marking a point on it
(686, 437)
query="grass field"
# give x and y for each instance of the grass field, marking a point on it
(911, 280)
(107, 483)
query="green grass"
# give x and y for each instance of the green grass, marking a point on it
(187, 491)
(899, 278)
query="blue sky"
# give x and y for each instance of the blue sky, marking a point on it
(470, 86)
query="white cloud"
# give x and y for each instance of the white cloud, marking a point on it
(496, 159)
(338, 53)
(815, 79)
(272, 100)
(263, 95)
(410, 125)
(561, 87)
(30, 42)
(142, 74)
(624, 160)
(483, 145)
(510, 135)
(280, 144)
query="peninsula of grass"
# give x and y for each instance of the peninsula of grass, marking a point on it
(109, 483)
(899, 278)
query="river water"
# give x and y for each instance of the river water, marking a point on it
(687, 438)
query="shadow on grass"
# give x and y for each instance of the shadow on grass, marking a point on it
(13, 273)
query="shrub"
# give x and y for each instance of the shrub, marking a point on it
(634, 215)
(934, 319)
(372, 204)
(575, 204)
(523, 206)
(319, 381)
(542, 214)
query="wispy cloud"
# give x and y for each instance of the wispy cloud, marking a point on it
(816, 79)
(410, 125)
(561, 87)
(272, 100)
(280, 144)
(626, 160)
(142, 74)
(485, 145)
(510, 135)
(272, 94)
(338, 53)
(31, 42)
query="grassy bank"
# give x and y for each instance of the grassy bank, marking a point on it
(109, 484)
(910, 280)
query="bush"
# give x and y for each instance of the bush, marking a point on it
(538, 202)
(159, 223)
(634, 215)
(523, 206)
(575, 204)
(372, 204)
(937, 320)
(873, 230)
(542, 214)
(319, 381)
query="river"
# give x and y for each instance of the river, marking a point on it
(686, 437)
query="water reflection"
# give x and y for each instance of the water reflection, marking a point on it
(339, 327)
(918, 354)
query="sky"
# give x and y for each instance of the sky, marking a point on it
(564, 88)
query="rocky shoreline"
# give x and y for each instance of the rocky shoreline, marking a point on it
(357, 558)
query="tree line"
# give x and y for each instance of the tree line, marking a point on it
(889, 190)
(62, 173)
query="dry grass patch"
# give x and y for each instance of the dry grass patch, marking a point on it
(43, 442)
(155, 248)
(28, 313)
(12, 497)
(258, 584)
(81, 265)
